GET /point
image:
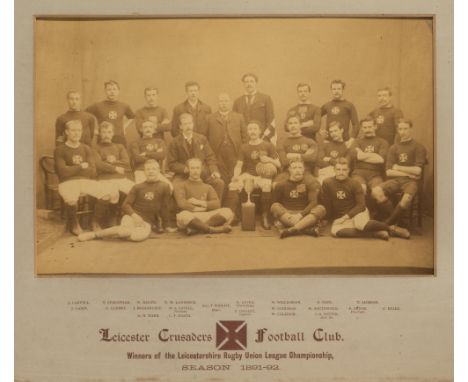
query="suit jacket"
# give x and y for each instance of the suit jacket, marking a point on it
(199, 120)
(179, 152)
(236, 128)
(261, 110)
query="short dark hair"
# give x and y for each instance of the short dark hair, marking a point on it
(194, 159)
(185, 115)
(303, 85)
(366, 119)
(151, 160)
(343, 84)
(386, 89)
(335, 123)
(342, 160)
(249, 75)
(405, 120)
(150, 88)
(72, 122)
(255, 122)
(296, 160)
(290, 116)
(105, 125)
(192, 83)
(111, 82)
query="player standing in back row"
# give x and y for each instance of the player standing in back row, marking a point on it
(342, 111)
(113, 111)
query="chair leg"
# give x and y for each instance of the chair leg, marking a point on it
(420, 209)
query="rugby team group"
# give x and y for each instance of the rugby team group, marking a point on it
(360, 175)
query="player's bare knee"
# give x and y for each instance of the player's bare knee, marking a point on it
(319, 211)
(405, 201)
(226, 213)
(124, 232)
(364, 188)
(378, 194)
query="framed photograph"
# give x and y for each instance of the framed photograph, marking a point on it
(229, 194)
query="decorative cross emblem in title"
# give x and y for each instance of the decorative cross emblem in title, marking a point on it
(231, 335)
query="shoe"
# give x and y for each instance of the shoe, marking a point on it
(288, 232)
(190, 231)
(399, 232)
(76, 230)
(266, 222)
(312, 231)
(86, 236)
(383, 235)
(158, 229)
(171, 229)
(96, 227)
(221, 229)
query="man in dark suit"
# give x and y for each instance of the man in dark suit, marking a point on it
(189, 144)
(192, 105)
(257, 106)
(226, 133)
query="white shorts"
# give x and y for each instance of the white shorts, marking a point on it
(263, 183)
(137, 232)
(358, 222)
(70, 190)
(115, 186)
(185, 217)
(324, 173)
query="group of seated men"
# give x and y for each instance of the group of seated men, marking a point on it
(345, 171)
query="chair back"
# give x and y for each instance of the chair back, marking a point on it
(47, 163)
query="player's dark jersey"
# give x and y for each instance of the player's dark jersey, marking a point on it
(87, 121)
(68, 162)
(155, 114)
(307, 112)
(299, 145)
(108, 157)
(147, 148)
(198, 190)
(369, 145)
(146, 199)
(299, 196)
(408, 153)
(250, 155)
(344, 112)
(113, 112)
(386, 119)
(332, 150)
(344, 197)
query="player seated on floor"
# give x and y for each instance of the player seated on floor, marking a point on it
(368, 155)
(200, 206)
(405, 161)
(148, 147)
(258, 162)
(296, 147)
(295, 203)
(143, 205)
(113, 167)
(344, 201)
(76, 170)
(330, 151)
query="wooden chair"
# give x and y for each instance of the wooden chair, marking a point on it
(55, 202)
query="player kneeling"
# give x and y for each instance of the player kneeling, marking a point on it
(199, 204)
(344, 200)
(258, 164)
(145, 203)
(295, 202)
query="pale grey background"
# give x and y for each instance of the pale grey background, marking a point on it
(52, 345)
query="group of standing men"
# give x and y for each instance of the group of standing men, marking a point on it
(342, 169)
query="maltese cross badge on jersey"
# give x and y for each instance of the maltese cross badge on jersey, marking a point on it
(340, 194)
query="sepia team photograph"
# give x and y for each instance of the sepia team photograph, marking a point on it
(234, 146)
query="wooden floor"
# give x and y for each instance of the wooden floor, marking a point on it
(239, 253)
